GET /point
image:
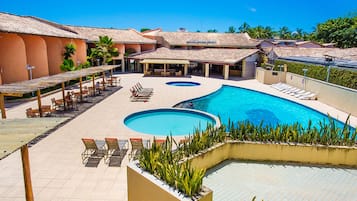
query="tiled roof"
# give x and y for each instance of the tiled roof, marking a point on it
(118, 35)
(349, 53)
(239, 40)
(30, 25)
(209, 55)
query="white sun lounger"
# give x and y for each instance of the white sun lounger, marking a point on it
(308, 97)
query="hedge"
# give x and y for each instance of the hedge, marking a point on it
(340, 77)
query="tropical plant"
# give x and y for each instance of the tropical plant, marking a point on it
(212, 30)
(144, 29)
(343, 77)
(231, 29)
(104, 50)
(341, 31)
(284, 33)
(68, 64)
(244, 28)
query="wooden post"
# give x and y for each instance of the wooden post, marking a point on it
(26, 172)
(2, 106)
(185, 69)
(93, 80)
(63, 96)
(39, 102)
(80, 89)
(103, 80)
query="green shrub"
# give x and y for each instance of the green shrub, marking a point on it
(340, 77)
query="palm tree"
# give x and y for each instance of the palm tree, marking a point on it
(284, 33)
(231, 29)
(212, 31)
(244, 28)
(69, 50)
(104, 49)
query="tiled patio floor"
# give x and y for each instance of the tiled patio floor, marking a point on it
(56, 167)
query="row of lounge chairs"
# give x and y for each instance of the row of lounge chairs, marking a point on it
(139, 93)
(113, 149)
(293, 91)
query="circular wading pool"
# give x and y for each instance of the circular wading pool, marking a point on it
(183, 84)
(163, 122)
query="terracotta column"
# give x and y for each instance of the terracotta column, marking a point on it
(226, 71)
(207, 70)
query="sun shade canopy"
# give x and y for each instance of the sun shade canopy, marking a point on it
(164, 61)
(20, 88)
(15, 133)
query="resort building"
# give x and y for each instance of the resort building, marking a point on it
(205, 62)
(127, 41)
(28, 41)
(267, 43)
(345, 58)
(199, 40)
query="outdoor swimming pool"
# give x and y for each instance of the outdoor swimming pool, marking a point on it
(163, 122)
(183, 84)
(238, 104)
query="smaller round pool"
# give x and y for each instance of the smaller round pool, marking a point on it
(163, 122)
(183, 83)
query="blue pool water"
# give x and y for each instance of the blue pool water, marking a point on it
(163, 122)
(183, 84)
(238, 104)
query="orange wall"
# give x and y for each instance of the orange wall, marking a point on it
(121, 49)
(12, 58)
(54, 53)
(136, 47)
(81, 51)
(146, 47)
(36, 54)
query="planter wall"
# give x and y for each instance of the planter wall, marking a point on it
(306, 154)
(143, 186)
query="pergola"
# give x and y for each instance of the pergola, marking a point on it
(18, 89)
(15, 134)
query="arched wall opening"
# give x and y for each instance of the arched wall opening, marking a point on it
(54, 53)
(36, 54)
(12, 58)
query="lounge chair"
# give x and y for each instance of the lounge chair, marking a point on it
(113, 149)
(91, 150)
(57, 104)
(140, 88)
(311, 96)
(137, 145)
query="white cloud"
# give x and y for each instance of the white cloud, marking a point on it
(253, 10)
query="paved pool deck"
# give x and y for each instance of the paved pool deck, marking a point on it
(56, 167)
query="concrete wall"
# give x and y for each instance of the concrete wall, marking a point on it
(337, 96)
(143, 186)
(248, 66)
(12, 58)
(306, 154)
(269, 76)
(36, 54)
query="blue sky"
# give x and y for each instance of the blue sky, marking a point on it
(192, 15)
